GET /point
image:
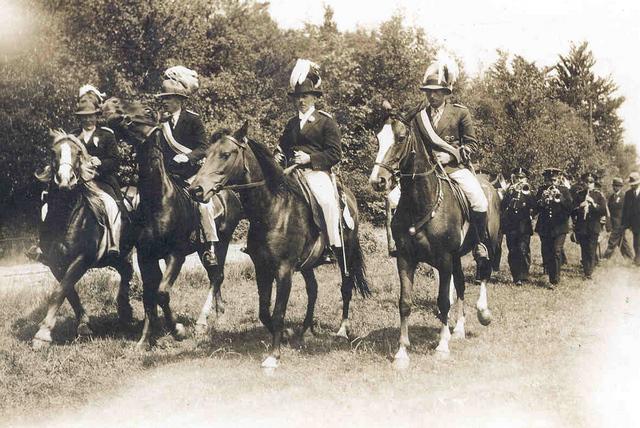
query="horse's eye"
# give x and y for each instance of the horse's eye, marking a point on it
(225, 155)
(401, 138)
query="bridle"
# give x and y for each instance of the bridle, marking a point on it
(240, 160)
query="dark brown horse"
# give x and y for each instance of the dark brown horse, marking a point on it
(282, 235)
(71, 236)
(170, 220)
(429, 226)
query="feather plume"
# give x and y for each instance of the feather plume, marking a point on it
(90, 89)
(302, 70)
(185, 76)
(447, 68)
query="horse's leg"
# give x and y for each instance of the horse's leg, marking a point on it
(444, 304)
(74, 272)
(125, 270)
(406, 271)
(82, 319)
(346, 289)
(482, 306)
(173, 265)
(458, 282)
(151, 277)
(264, 280)
(312, 294)
(283, 284)
(214, 297)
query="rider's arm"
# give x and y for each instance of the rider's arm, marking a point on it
(200, 147)
(109, 162)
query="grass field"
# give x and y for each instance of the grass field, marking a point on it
(550, 358)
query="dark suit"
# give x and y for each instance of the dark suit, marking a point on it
(517, 209)
(102, 144)
(319, 138)
(188, 131)
(553, 226)
(455, 126)
(587, 228)
(631, 219)
(617, 237)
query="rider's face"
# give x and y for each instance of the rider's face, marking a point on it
(435, 97)
(88, 121)
(303, 103)
(171, 104)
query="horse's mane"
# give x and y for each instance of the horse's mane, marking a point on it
(276, 180)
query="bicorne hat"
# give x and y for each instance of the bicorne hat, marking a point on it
(305, 79)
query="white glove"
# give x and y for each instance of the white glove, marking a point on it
(181, 158)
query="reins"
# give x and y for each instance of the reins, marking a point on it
(223, 185)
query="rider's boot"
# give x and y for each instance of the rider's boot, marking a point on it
(479, 224)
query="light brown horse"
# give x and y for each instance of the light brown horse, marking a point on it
(282, 235)
(429, 226)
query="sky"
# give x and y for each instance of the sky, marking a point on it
(537, 30)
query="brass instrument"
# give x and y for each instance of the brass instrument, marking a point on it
(552, 194)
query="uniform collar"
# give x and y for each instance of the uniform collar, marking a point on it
(85, 135)
(175, 116)
(304, 117)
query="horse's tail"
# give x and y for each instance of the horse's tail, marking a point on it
(357, 269)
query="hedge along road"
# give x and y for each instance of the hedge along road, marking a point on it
(563, 358)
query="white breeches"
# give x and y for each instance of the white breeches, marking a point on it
(322, 188)
(471, 187)
(208, 221)
(114, 219)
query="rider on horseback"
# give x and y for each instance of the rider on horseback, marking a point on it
(311, 139)
(186, 146)
(447, 129)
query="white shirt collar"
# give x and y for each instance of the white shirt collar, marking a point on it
(304, 117)
(86, 134)
(176, 116)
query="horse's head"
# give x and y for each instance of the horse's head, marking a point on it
(225, 163)
(69, 162)
(392, 146)
(129, 119)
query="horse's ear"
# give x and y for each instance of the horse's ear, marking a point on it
(243, 131)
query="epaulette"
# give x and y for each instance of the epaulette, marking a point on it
(192, 112)
(107, 129)
(460, 106)
(325, 113)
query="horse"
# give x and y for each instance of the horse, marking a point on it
(71, 236)
(170, 221)
(282, 234)
(429, 226)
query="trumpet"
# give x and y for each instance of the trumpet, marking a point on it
(552, 194)
(523, 188)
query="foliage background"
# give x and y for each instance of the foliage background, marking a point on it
(526, 115)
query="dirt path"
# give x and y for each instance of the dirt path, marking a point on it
(591, 379)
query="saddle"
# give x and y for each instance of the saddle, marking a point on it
(459, 195)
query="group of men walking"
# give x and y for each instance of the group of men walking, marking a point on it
(557, 206)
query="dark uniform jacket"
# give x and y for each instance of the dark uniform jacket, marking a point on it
(188, 131)
(517, 211)
(591, 225)
(631, 211)
(455, 127)
(319, 138)
(615, 202)
(102, 145)
(553, 218)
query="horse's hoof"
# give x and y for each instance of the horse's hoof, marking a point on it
(342, 334)
(484, 317)
(43, 335)
(401, 363)
(270, 362)
(402, 354)
(442, 351)
(180, 332)
(143, 347)
(458, 334)
(38, 344)
(84, 330)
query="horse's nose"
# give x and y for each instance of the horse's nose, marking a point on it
(196, 192)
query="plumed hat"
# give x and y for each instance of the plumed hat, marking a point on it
(305, 78)
(87, 105)
(441, 74)
(179, 81)
(93, 92)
